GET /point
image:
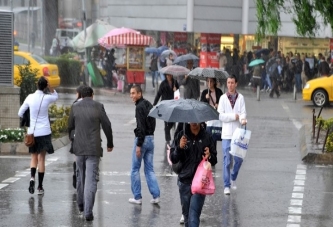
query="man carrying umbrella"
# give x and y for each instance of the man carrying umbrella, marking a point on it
(143, 148)
(166, 90)
(232, 112)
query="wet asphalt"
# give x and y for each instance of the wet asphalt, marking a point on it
(274, 187)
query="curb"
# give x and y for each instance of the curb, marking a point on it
(307, 150)
(18, 148)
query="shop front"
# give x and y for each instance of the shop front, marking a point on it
(304, 46)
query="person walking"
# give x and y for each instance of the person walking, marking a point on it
(191, 86)
(143, 148)
(189, 149)
(212, 95)
(38, 104)
(232, 111)
(154, 69)
(298, 71)
(72, 134)
(305, 75)
(86, 118)
(166, 91)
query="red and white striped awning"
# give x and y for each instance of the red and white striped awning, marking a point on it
(130, 39)
(124, 36)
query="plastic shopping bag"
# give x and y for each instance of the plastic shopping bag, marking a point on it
(176, 94)
(203, 182)
(240, 142)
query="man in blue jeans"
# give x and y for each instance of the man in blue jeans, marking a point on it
(143, 148)
(232, 113)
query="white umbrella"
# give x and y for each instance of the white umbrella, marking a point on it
(175, 70)
(94, 32)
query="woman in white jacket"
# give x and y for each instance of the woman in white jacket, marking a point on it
(38, 104)
(232, 113)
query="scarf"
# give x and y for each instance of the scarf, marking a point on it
(232, 102)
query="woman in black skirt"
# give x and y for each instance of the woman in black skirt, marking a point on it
(38, 104)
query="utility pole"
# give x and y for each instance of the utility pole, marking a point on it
(28, 25)
(85, 36)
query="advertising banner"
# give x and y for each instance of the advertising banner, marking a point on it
(210, 48)
(180, 43)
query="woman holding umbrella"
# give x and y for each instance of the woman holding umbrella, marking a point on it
(166, 91)
(212, 96)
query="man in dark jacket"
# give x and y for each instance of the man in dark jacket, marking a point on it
(166, 90)
(143, 148)
(298, 73)
(86, 118)
(190, 149)
(305, 71)
(191, 86)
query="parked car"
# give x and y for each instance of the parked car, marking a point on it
(319, 91)
(44, 68)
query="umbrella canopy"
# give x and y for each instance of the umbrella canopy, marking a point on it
(125, 36)
(184, 110)
(166, 54)
(184, 58)
(203, 73)
(156, 50)
(94, 32)
(175, 70)
(264, 51)
(256, 62)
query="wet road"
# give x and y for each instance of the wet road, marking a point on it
(274, 187)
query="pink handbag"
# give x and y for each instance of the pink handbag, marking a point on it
(203, 182)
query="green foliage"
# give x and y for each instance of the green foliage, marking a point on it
(60, 123)
(304, 14)
(69, 69)
(28, 81)
(327, 125)
(11, 135)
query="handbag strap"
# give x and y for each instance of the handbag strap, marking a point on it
(210, 95)
(38, 113)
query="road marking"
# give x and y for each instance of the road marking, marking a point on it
(131, 122)
(20, 174)
(296, 201)
(10, 180)
(3, 185)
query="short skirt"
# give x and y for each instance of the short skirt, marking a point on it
(42, 143)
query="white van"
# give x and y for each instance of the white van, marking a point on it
(65, 36)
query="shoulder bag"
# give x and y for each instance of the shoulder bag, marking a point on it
(29, 139)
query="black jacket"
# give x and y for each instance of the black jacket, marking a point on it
(192, 156)
(218, 93)
(166, 91)
(145, 125)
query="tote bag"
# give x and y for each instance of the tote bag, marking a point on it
(203, 182)
(240, 142)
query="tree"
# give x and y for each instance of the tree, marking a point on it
(305, 15)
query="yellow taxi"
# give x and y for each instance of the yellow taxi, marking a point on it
(319, 91)
(50, 71)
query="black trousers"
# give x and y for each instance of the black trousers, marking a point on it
(275, 87)
(167, 128)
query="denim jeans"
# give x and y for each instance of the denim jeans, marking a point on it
(268, 79)
(298, 81)
(226, 164)
(191, 205)
(147, 154)
(87, 176)
(154, 75)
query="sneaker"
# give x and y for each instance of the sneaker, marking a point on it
(89, 218)
(32, 186)
(233, 185)
(155, 201)
(262, 90)
(40, 191)
(227, 191)
(181, 221)
(135, 201)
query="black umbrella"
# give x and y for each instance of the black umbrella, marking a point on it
(264, 51)
(204, 73)
(184, 110)
(182, 60)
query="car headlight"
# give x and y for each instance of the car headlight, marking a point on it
(307, 86)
